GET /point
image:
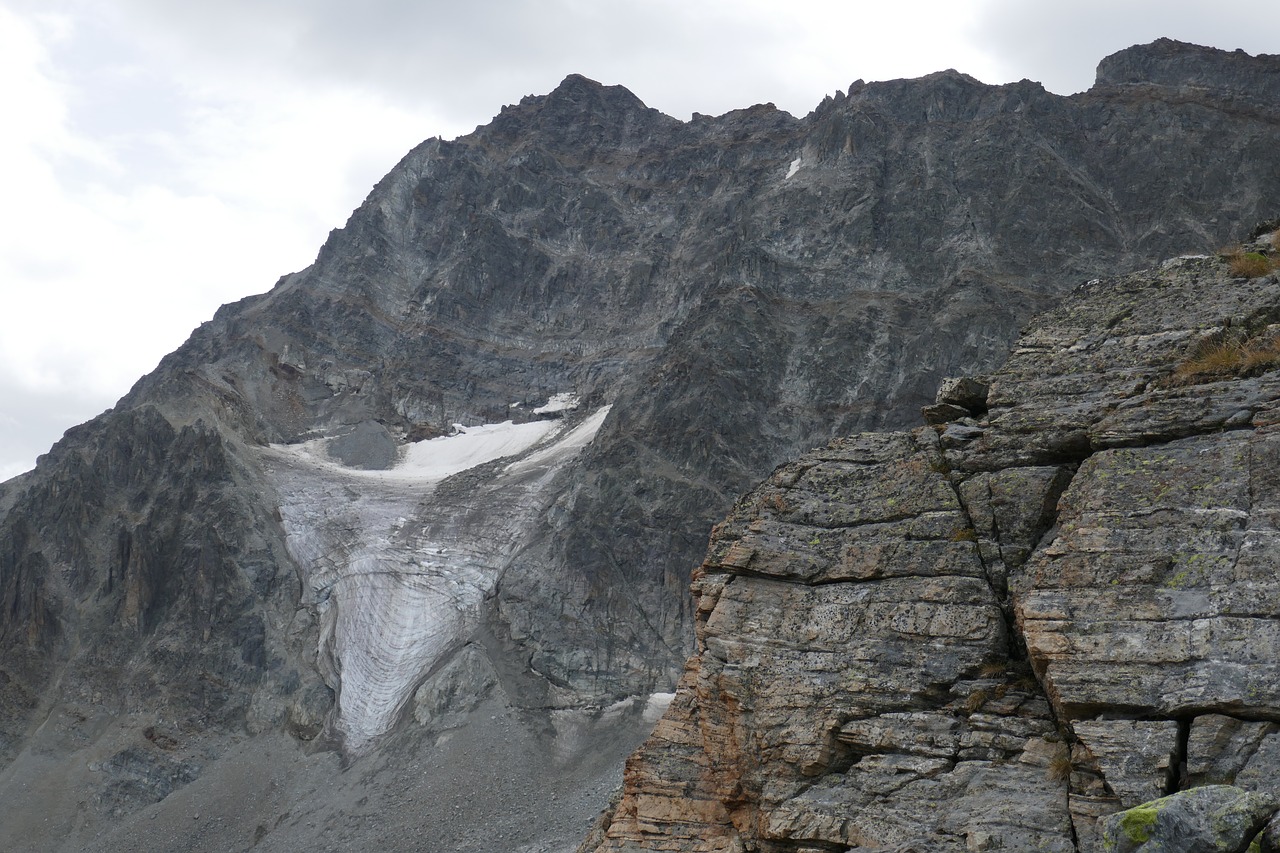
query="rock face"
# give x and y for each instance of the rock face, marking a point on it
(987, 634)
(466, 459)
(855, 683)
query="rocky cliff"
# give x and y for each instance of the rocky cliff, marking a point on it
(1058, 601)
(443, 488)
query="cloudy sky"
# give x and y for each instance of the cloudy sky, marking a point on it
(160, 158)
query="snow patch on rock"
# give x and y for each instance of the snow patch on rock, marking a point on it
(576, 439)
(431, 461)
(558, 403)
(656, 706)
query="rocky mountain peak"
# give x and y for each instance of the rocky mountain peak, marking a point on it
(1190, 68)
(590, 95)
(944, 96)
(579, 112)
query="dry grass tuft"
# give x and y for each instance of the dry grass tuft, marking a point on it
(992, 669)
(1060, 766)
(1251, 264)
(1226, 359)
(974, 702)
(1248, 264)
(1027, 684)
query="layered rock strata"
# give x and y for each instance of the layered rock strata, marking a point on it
(990, 632)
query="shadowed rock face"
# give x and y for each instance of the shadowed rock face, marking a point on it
(991, 632)
(736, 289)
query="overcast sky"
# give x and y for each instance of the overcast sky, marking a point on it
(160, 158)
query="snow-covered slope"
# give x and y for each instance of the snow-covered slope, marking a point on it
(398, 573)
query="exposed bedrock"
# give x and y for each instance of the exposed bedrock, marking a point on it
(856, 683)
(989, 633)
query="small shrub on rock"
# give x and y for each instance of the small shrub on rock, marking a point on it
(1248, 264)
(1060, 766)
(1251, 264)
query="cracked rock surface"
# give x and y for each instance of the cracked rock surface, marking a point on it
(907, 642)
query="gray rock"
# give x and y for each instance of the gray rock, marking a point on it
(1271, 835)
(1136, 757)
(957, 435)
(1140, 575)
(1230, 751)
(941, 413)
(1213, 819)
(368, 446)
(967, 392)
(815, 602)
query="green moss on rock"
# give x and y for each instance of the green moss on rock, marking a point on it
(1212, 819)
(1137, 823)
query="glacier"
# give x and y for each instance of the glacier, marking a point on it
(398, 573)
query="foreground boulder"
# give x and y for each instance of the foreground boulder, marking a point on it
(1213, 819)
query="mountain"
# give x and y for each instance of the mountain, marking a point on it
(401, 548)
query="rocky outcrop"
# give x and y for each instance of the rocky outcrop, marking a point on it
(142, 539)
(855, 684)
(235, 551)
(990, 632)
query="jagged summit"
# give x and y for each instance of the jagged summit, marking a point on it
(583, 113)
(1186, 67)
(578, 94)
(945, 96)
(577, 89)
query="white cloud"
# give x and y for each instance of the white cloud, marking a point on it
(120, 238)
(1060, 44)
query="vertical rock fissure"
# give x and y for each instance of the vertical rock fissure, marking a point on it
(1049, 517)
(1178, 761)
(1002, 601)
(1016, 644)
